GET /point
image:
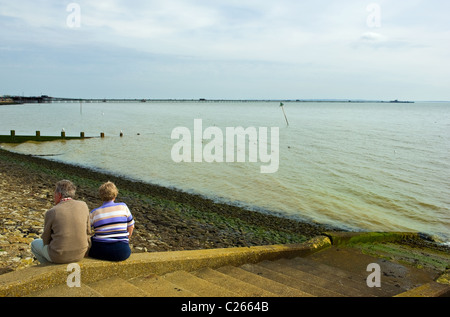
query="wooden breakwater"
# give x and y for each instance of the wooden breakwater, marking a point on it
(13, 138)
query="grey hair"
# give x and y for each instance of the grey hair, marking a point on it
(66, 188)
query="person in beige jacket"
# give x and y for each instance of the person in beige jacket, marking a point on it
(67, 228)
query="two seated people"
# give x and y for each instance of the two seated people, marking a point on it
(68, 228)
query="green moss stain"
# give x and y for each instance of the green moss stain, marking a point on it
(417, 257)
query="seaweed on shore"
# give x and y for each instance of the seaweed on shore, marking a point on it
(169, 219)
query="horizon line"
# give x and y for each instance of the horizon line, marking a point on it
(50, 98)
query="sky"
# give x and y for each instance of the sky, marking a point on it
(227, 49)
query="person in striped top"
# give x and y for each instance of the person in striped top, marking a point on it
(113, 225)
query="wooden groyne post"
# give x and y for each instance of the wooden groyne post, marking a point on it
(38, 137)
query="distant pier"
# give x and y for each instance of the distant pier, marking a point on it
(48, 99)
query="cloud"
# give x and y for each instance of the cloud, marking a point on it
(372, 37)
(157, 19)
(319, 45)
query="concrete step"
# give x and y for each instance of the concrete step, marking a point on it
(324, 277)
(394, 276)
(197, 285)
(65, 291)
(334, 284)
(353, 280)
(116, 287)
(262, 282)
(310, 269)
(157, 286)
(241, 288)
(294, 282)
(431, 289)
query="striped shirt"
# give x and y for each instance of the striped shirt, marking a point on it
(110, 222)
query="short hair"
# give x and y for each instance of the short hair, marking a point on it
(66, 188)
(108, 191)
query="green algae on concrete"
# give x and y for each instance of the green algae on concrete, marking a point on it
(348, 238)
(444, 278)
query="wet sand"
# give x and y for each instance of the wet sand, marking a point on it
(166, 219)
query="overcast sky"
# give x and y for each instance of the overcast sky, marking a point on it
(228, 49)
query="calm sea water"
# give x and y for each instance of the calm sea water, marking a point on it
(360, 166)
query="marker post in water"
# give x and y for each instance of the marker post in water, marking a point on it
(282, 108)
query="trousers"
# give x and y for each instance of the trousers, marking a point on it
(115, 251)
(40, 251)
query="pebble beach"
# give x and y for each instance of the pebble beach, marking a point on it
(166, 219)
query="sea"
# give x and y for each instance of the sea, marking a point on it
(366, 166)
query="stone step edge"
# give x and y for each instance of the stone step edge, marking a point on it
(41, 277)
(431, 289)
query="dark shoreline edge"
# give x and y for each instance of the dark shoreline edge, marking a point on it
(178, 217)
